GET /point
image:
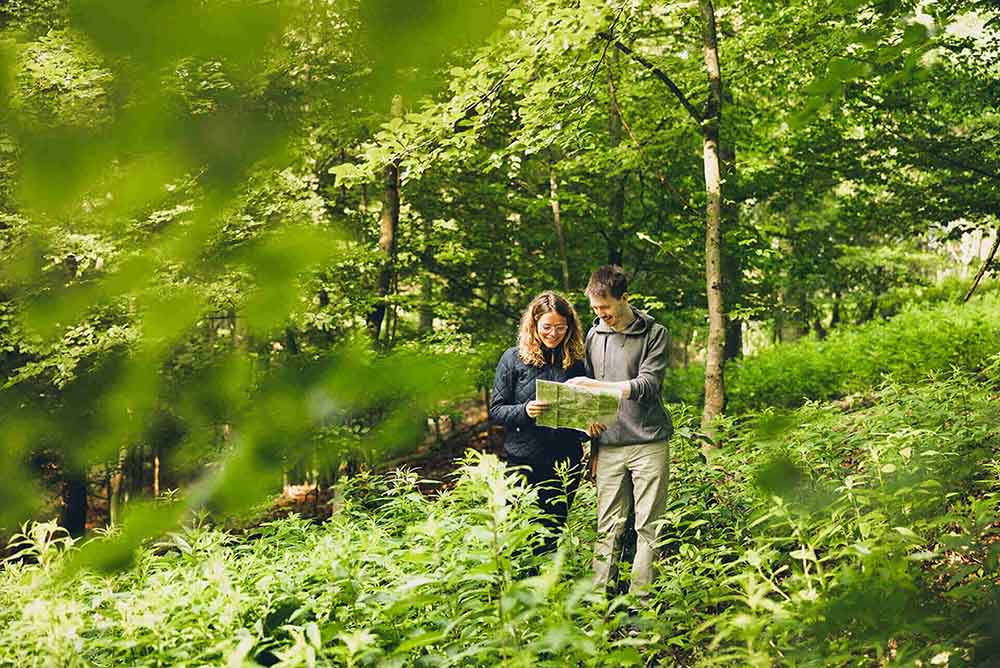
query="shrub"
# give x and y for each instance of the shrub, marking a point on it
(920, 340)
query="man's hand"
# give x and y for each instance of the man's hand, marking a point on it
(595, 429)
(583, 381)
(535, 408)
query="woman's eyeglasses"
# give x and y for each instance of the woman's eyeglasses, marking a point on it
(548, 329)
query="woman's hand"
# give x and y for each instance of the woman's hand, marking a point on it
(595, 429)
(535, 408)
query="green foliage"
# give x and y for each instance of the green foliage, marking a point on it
(169, 239)
(818, 538)
(918, 341)
(190, 195)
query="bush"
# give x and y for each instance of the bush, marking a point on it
(918, 341)
(834, 535)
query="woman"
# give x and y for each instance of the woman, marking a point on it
(549, 347)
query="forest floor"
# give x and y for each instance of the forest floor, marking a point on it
(435, 460)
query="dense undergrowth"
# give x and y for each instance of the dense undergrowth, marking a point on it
(919, 340)
(862, 533)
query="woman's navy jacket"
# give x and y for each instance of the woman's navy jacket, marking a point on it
(513, 388)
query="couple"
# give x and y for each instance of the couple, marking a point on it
(625, 350)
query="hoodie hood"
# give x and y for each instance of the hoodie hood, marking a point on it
(639, 326)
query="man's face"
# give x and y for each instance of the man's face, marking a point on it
(612, 311)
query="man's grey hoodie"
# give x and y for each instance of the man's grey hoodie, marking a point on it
(637, 354)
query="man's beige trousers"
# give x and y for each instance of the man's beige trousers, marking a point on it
(629, 476)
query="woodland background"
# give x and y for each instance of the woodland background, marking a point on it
(247, 245)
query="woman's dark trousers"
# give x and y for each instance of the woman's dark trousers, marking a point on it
(554, 499)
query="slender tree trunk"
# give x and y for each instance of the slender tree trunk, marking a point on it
(388, 230)
(870, 313)
(557, 223)
(117, 489)
(426, 323)
(616, 202)
(156, 471)
(732, 269)
(74, 499)
(136, 475)
(708, 124)
(986, 265)
(714, 357)
(393, 312)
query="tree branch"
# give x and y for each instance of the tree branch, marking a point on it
(604, 52)
(659, 175)
(657, 72)
(986, 265)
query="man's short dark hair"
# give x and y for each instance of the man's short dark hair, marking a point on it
(607, 281)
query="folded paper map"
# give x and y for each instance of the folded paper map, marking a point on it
(574, 406)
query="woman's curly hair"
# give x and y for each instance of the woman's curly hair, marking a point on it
(529, 345)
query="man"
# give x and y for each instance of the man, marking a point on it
(627, 350)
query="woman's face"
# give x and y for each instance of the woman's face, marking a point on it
(551, 329)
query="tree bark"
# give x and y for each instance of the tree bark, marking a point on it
(388, 232)
(156, 472)
(714, 355)
(984, 267)
(426, 312)
(557, 223)
(616, 202)
(870, 313)
(732, 266)
(426, 323)
(835, 316)
(117, 491)
(708, 124)
(74, 498)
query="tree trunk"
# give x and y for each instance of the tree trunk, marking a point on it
(708, 124)
(985, 266)
(557, 223)
(117, 489)
(835, 316)
(156, 471)
(872, 310)
(74, 499)
(616, 202)
(714, 359)
(732, 268)
(388, 230)
(426, 323)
